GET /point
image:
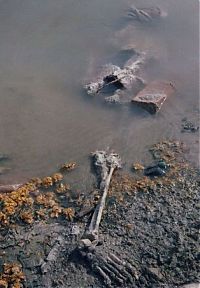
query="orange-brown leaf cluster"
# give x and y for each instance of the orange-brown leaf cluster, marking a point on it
(26, 206)
(69, 213)
(15, 201)
(57, 177)
(68, 166)
(12, 276)
(47, 182)
(168, 151)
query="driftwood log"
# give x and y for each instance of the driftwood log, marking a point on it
(9, 188)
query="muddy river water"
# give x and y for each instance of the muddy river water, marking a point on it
(47, 50)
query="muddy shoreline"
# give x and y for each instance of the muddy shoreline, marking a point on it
(151, 222)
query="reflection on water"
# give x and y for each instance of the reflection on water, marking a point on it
(47, 50)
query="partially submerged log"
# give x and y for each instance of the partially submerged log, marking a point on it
(9, 188)
(154, 95)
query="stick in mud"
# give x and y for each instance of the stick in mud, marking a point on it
(106, 164)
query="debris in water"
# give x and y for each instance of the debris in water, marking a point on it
(4, 157)
(9, 188)
(188, 126)
(117, 81)
(146, 14)
(154, 95)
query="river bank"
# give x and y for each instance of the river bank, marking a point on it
(149, 222)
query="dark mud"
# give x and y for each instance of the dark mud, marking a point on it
(150, 222)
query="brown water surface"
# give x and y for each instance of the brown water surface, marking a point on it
(47, 50)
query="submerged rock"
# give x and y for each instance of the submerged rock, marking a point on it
(3, 157)
(146, 14)
(116, 81)
(114, 98)
(154, 95)
(99, 82)
(188, 126)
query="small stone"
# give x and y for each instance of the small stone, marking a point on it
(188, 126)
(146, 15)
(85, 243)
(3, 157)
(156, 272)
(75, 230)
(154, 171)
(114, 99)
(154, 95)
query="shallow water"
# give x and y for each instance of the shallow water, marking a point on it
(48, 48)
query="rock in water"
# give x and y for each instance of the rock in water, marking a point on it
(116, 80)
(154, 95)
(146, 14)
(3, 157)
